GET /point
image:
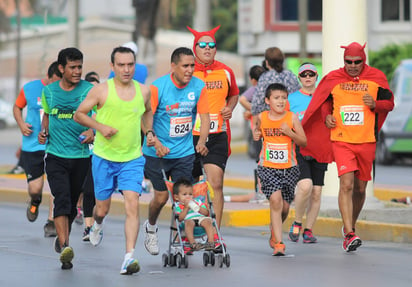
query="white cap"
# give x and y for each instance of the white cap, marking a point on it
(132, 46)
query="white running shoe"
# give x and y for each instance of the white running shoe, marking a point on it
(95, 235)
(130, 266)
(151, 241)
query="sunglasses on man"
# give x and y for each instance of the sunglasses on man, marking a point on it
(356, 62)
(309, 74)
(203, 45)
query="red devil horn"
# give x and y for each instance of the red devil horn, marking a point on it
(194, 32)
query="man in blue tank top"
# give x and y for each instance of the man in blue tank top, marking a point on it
(32, 153)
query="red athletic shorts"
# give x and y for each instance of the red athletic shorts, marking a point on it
(354, 157)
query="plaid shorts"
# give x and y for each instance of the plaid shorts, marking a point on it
(272, 180)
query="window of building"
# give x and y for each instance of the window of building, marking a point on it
(395, 10)
(287, 10)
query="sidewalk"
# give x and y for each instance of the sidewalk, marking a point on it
(381, 220)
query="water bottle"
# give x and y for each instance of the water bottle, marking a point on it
(193, 206)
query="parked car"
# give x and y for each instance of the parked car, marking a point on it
(6, 115)
(395, 138)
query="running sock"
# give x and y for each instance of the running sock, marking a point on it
(297, 223)
(151, 228)
(226, 198)
(129, 255)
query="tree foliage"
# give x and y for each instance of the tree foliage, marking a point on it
(389, 57)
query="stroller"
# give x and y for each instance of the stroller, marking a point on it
(175, 255)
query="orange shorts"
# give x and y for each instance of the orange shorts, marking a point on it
(356, 158)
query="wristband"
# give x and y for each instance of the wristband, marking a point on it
(150, 131)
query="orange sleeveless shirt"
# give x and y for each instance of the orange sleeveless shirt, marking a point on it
(278, 150)
(355, 122)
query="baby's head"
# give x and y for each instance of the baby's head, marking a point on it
(182, 190)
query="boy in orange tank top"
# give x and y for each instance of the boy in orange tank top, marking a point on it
(277, 168)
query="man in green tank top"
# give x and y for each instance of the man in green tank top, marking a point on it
(121, 103)
(67, 157)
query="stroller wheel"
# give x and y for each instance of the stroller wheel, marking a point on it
(172, 261)
(226, 260)
(185, 261)
(178, 260)
(212, 259)
(205, 259)
(165, 259)
(220, 260)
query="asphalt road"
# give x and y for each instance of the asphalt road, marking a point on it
(28, 259)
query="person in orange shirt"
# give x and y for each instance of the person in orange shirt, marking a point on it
(278, 168)
(222, 96)
(342, 123)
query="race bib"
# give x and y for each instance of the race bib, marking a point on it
(180, 126)
(214, 123)
(277, 153)
(352, 115)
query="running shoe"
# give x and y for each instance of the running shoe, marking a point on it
(218, 246)
(279, 249)
(130, 266)
(272, 241)
(32, 211)
(96, 235)
(57, 246)
(16, 170)
(79, 216)
(66, 257)
(86, 234)
(351, 242)
(344, 231)
(294, 231)
(258, 198)
(308, 236)
(151, 241)
(49, 229)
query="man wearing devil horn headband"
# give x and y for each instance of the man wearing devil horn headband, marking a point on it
(342, 123)
(223, 96)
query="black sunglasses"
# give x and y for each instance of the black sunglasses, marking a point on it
(203, 45)
(356, 62)
(309, 74)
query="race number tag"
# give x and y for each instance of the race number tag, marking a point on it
(277, 153)
(180, 126)
(214, 123)
(352, 115)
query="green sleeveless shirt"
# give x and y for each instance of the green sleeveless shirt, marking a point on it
(125, 116)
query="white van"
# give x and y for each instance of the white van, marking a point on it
(395, 138)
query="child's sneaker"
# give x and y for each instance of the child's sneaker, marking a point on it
(272, 241)
(86, 234)
(279, 249)
(308, 236)
(130, 266)
(95, 235)
(294, 231)
(351, 242)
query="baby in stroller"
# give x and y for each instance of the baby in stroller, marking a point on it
(192, 212)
